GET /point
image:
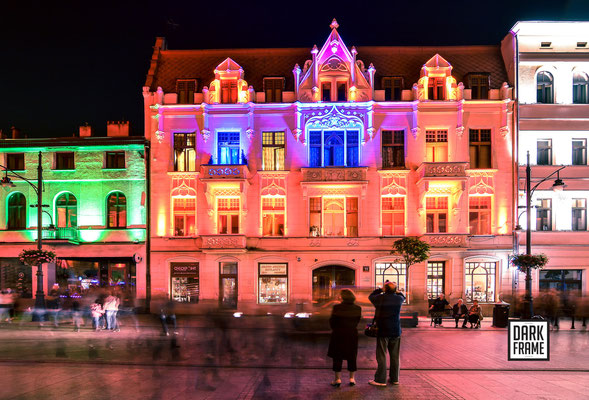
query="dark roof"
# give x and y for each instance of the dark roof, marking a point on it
(73, 141)
(260, 63)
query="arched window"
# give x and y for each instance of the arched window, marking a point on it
(116, 205)
(17, 211)
(580, 86)
(545, 92)
(480, 281)
(67, 211)
(393, 272)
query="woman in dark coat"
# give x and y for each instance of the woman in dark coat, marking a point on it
(343, 344)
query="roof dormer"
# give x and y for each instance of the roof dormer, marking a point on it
(437, 82)
(229, 87)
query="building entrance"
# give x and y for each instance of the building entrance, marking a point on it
(328, 280)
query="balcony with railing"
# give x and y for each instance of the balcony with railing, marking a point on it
(69, 234)
(331, 174)
(442, 170)
(237, 171)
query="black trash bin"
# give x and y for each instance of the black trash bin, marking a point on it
(500, 315)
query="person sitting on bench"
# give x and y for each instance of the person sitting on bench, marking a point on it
(437, 309)
(475, 315)
(459, 310)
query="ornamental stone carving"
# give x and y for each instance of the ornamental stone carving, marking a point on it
(224, 171)
(223, 242)
(334, 174)
(457, 169)
(446, 240)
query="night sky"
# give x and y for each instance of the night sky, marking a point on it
(65, 63)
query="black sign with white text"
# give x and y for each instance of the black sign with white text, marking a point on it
(528, 341)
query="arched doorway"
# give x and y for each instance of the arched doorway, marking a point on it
(329, 279)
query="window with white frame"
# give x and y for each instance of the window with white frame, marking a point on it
(435, 278)
(480, 148)
(186, 89)
(273, 216)
(436, 214)
(580, 88)
(333, 216)
(436, 145)
(544, 87)
(579, 213)
(228, 148)
(579, 152)
(393, 216)
(392, 272)
(480, 281)
(544, 215)
(544, 152)
(436, 88)
(184, 210)
(228, 215)
(273, 151)
(393, 149)
(184, 151)
(479, 215)
(334, 148)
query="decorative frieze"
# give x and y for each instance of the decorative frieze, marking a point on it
(223, 242)
(334, 174)
(442, 169)
(224, 171)
(446, 240)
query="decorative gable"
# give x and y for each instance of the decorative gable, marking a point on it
(229, 85)
(437, 82)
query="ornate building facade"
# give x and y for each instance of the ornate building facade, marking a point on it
(280, 175)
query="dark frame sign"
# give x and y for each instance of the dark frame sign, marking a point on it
(528, 340)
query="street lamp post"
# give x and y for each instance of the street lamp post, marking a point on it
(6, 182)
(558, 185)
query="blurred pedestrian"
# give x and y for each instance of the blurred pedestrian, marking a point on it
(77, 318)
(343, 343)
(459, 310)
(387, 303)
(168, 313)
(54, 306)
(96, 311)
(111, 306)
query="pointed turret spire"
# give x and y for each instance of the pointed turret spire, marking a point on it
(334, 24)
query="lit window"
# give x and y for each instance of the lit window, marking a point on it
(228, 149)
(273, 151)
(228, 215)
(544, 215)
(116, 205)
(15, 161)
(184, 151)
(334, 148)
(579, 215)
(184, 216)
(115, 160)
(393, 149)
(579, 152)
(480, 281)
(228, 91)
(326, 91)
(17, 211)
(184, 282)
(185, 89)
(273, 89)
(273, 216)
(544, 152)
(392, 272)
(435, 279)
(479, 86)
(333, 216)
(436, 88)
(545, 92)
(436, 145)
(580, 88)
(480, 148)
(228, 284)
(273, 283)
(64, 161)
(393, 88)
(479, 215)
(67, 211)
(393, 216)
(436, 214)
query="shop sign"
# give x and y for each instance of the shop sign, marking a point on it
(272, 269)
(528, 341)
(184, 269)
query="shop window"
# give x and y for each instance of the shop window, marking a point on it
(333, 216)
(17, 277)
(185, 282)
(435, 279)
(334, 148)
(273, 151)
(544, 215)
(184, 216)
(565, 281)
(184, 151)
(436, 214)
(228, 91)
(17, 211)
(580, 88)
(436, 88)
(545, 91)
(186, 89)
(436, 145)
(480, 148)
(273, 283)
(115, 160)
(15, 161)
(273, 216)
(228, 149)
(479, 215)
(64, 160)
(579, 152)
(392, 272)
(544, 152)
(393, 216)
(273, 88)
(228, 284)
(228, 216)
(480, 281)
(579, 215)
(326, 91)
(67, 211)
(342, 91)
(393, 88)
(116, 205)
(393, 149)
(479, 86)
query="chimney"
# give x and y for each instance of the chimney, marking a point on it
(15, 132)
(117, 128)
(86, 130)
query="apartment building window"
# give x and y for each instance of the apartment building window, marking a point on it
(228, 215)
(186, 89)
(393, 216)
(479, 86)
(579, 152)
(479, 215)
(184, 151)
(325, 91)
(436, 214)
(17, 211)
(436, 88)
(228, 91)
(579, 215)
(436, 145)
(580, 88)
(64, 160)
(393, 149)
(544, 215)
(333, 216)
(116, 210)
(544, 85)
(392, 272)
(184, 216)
(273, 210)
(228, 149)
(332, 148)
(393, 88)
(480, 281)
(544, 152)
(480, 148)
(435, 279)
(273, 88)
(15, 161)
(273, 151)
(342, 91)
(67, 211)
(565, 281)
(115, 160)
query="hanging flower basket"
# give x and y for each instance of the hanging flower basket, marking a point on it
(523, 262)
(36, 257)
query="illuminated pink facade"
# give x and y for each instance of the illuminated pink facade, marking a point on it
(278, 175)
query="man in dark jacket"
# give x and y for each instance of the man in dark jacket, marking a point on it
(388, 320)
(459, 310)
